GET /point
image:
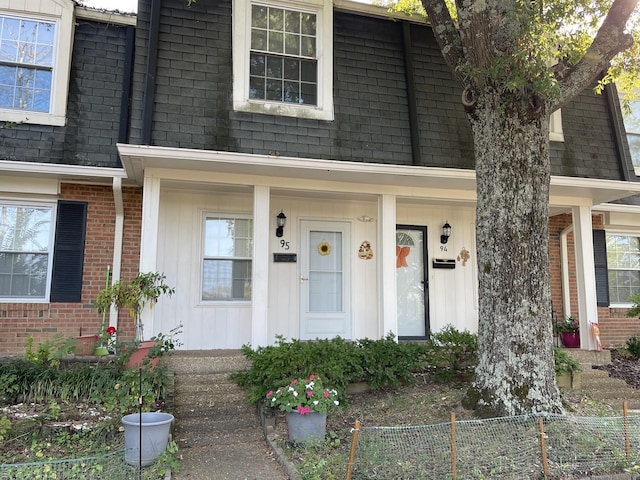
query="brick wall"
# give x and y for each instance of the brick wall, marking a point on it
(615, 326)
(43, 321)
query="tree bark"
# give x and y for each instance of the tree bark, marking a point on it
(515, 373)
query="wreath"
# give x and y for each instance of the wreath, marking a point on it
(324, 248)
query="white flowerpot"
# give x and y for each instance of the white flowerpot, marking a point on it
(155, 436)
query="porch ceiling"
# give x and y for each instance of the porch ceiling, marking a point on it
(405, 181)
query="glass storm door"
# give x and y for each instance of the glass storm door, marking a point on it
(411, 282)
(325, 303)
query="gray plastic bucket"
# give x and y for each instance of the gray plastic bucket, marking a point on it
(155, 436)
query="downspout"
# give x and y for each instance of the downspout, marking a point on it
(150, 76)
(564, 270)
(117, 242)
(411, 94)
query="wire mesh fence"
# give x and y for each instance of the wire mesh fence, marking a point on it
(110, 466)
(520, 447)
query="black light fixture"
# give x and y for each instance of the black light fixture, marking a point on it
(281, 220)
(446, 232)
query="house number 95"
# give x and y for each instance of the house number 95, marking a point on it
(284, 244)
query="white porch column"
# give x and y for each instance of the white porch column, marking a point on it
(388, 307)
(585, 275)
(149, 240)
(260, 267)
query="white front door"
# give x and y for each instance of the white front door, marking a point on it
(325, 300)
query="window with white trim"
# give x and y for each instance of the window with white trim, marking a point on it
(35, 59)
(227, 258)
(282, 58)
(26, 243)
(623, 264)
(631, 116)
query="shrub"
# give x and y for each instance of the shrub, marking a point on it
(633, 345)
(381, 363)
(452, 353)
(564, 363)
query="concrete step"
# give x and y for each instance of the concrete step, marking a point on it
(206, 399)
(589, 357)
(602, 383)
(206, 361)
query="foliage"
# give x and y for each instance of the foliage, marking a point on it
(633, 346)
(382, 363)
(563, 362)
(386, 363)
(136, 294)
(568, 325)
(165, 343)
(452, 353)
(304, 395)
(634, 311)
(51, 351)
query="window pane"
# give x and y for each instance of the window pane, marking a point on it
(623, 261)
(226, 280)
(308, 23)
(23, 275)
(276, 19)
(259, 16)
(257, 87)
(274, 90)
(291, 69)
(276, 42)
(258, 39)
(292, 21)
(257, 66)
(24, 229)
(274, 67)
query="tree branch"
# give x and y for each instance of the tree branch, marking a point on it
(446, 34)
(608, 42)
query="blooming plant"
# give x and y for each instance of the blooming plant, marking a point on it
(568, 325)
(304, 395)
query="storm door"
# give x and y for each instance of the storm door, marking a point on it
(325, 301)
(411, 282)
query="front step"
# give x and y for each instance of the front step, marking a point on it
(206, 361)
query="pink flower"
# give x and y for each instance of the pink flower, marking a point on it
(294, 381)
(269, 393)
(326, 394)
(312, 376)
(303, 410)
(309, 393)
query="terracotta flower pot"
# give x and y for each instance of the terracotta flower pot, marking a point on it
(136, 360)
(86, 344)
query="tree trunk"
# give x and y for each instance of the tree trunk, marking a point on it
(515, 372)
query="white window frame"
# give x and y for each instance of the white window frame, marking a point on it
(52, 231)
(323, 9)
(609, 268)
(556, 134)
(205, 217)
(61, 13)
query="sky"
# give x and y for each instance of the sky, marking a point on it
(122, 5)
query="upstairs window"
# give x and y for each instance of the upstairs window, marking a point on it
(283, 58)
(283, 63)
(35, 57)
(631, 117)
(26, 63)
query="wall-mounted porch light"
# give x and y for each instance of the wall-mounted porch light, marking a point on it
(446, 232)
(281, 220)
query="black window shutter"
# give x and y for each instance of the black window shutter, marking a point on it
(68, 252)
(600, 261)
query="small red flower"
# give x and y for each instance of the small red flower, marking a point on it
(111, 330)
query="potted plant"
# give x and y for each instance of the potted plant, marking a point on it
(305, 401)
(569, 330)
(136, 294)
(567, 370)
